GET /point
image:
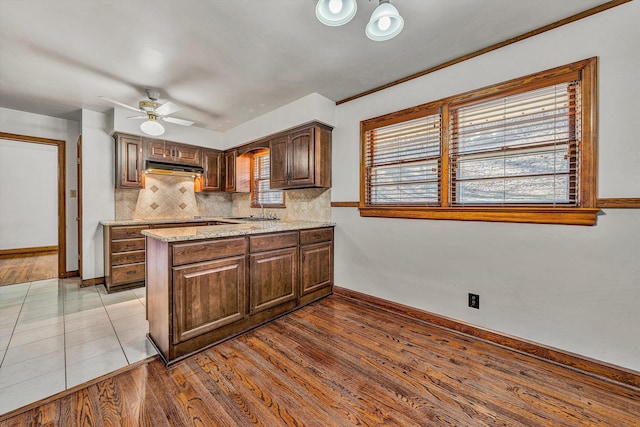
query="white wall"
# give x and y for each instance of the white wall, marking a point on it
(186, 134)
(571, 287)
(23, 123)
(313, 107)
(29, 218)
(98, 182)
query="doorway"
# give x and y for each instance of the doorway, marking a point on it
(27, 260)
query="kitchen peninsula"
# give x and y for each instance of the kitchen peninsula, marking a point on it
(208, 283)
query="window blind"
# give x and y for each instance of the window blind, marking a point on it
(263, 195)
(517, 149)
(403, 163)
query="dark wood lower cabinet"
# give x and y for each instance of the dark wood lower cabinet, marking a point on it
(207, 296)
(274, 278)
(205, 291)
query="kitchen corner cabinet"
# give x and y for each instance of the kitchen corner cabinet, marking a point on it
(129, 161)
(172, 152)
(301, 158)
(202, 292)
(237, 172)
(212, 164)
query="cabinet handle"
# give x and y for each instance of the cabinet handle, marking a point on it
(129, 273)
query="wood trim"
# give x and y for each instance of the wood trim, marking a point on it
(76, 388)
(74, 273)
(62, 188)
(554, 25)
(39, 250)
(568, 216)
(619, 202)
(582, 363)
(79, 201)
(345, 204)
(92, 282)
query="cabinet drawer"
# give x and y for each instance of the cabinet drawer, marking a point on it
(127, 273)
(127, 257)
(127, 245)
(316, 235)
(267, 242)
(187, 253)
(118, 233)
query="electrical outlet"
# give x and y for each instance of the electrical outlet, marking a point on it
(474, 301)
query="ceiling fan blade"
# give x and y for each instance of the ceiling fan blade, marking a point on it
(119, 103)
(167, 108)
(177, 121)
(137, 117)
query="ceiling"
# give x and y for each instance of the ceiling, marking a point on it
(228, 61)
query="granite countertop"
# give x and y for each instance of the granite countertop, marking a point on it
(114, 222)
(242, 228)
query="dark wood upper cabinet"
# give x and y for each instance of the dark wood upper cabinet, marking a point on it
(237, 172)
(129, 161)
(278, 167)
(301, 158)
(230, 170)
(212, 164)
(172, 152)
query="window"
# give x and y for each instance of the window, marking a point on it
(262, 195)
(519, 151)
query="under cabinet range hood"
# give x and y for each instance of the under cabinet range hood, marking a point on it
(170, 169)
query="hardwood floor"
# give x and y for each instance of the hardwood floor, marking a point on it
(341, 363)
(28, 268)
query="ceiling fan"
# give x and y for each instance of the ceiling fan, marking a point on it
(153, 111)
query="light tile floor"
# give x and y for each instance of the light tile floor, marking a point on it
(55, 335)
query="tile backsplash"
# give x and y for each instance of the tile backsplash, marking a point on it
(311, 204)
(166, 196)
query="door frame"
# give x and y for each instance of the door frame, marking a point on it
(79, 201)
(62, 206)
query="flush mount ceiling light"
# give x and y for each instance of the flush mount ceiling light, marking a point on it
(336, 12)
(151, 126)
(385, 22)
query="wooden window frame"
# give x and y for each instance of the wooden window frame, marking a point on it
(254, 191)
(584, 213)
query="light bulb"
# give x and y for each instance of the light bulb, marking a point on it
(336, 12)
(384, 23)
(335, 6)
(152, 127)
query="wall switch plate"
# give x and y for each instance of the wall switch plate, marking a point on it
(474, 301)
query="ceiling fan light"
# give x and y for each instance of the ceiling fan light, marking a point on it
(152, 127)
(385, 22)
(336, 12)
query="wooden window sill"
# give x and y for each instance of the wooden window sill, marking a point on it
(568, 216)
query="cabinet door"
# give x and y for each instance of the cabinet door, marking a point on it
(186, 154)
(301, 159)
(273, 278)
(279, 173)
(129, 161)
(158, 150)
(316, 267)
(207, 296)
(212, 170)
(230, 171)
